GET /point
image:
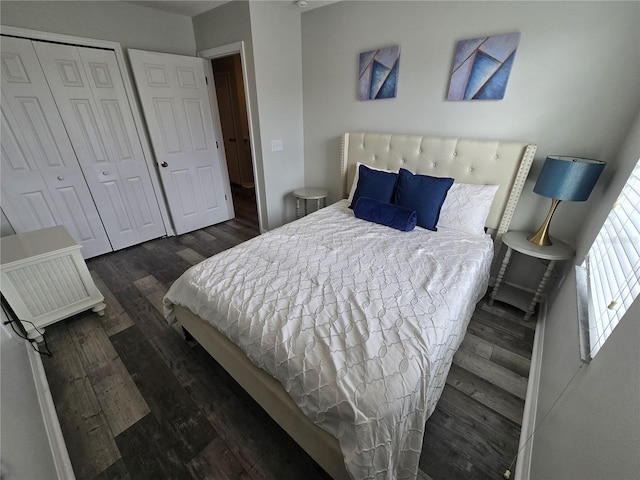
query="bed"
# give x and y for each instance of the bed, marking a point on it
(344, 330)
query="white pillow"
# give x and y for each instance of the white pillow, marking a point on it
(467, 207)
(354, 185)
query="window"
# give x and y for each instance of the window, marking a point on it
(612, 267)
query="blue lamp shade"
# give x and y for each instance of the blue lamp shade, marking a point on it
(568, 178)
(564, 178)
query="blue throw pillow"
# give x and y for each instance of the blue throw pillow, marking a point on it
(384, 213)
(374, 184)
(424, 194)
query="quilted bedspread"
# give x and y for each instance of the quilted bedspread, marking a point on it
(358, 321)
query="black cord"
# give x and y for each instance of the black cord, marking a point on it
(31, 340)
(12, 319)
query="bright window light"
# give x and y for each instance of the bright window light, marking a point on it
(613, 265)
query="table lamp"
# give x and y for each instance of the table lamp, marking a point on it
(564, 178)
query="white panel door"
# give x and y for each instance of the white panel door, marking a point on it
(42, 183)
(176, 105)
(88, 90)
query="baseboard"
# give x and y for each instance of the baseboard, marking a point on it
(525, 447)
(64, 470)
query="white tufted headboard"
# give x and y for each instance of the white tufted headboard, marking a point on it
(467, 161)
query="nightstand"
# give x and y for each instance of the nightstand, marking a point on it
(45, 279)
(310, 193)
(514, 296)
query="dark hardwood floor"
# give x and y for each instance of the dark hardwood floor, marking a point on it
(137, 401)
(244, 203)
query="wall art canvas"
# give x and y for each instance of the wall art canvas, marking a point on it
(481, 67)
(378, 73)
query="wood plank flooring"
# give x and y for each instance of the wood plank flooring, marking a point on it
(137, 401)
(244, 202)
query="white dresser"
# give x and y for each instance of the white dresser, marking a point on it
(45, 279)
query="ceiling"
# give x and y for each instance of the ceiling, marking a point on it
(191, 8)
(181, 7)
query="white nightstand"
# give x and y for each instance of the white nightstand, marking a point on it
(514, 296)
(310, 193)
(45, 278)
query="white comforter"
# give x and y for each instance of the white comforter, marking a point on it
(358, 321)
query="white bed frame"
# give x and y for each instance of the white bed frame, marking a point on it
(468, 161)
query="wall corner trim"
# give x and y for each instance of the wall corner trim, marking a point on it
(64, 470)
(525, 446)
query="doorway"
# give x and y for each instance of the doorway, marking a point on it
(234, 123)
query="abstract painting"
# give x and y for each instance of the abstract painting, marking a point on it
(378, 73)
(481, 67)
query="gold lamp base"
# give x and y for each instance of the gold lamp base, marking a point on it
(541, 237)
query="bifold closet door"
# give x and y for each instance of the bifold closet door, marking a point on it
(42, 183)
(90, 95)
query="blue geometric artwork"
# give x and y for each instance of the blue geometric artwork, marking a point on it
(378, 73)
(481, 67)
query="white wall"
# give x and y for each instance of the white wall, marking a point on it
(130, 25)
(573, 88)
(593, 432)
(24, 445)
(275, 28)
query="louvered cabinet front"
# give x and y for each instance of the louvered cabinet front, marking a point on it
(45, 279)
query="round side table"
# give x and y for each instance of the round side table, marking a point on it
(518, 241)
(310, 193)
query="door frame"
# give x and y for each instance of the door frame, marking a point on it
(225, 51)
(133, 103)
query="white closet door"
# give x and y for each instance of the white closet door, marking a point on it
(113, 104)
(92, 102)
(176, 105)
(42, 183)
